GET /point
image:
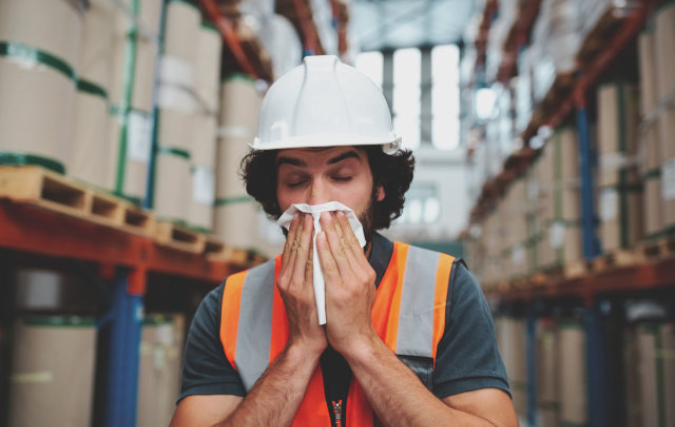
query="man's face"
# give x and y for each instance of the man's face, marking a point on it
(316, 176)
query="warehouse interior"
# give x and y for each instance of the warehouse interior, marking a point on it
(545, 158)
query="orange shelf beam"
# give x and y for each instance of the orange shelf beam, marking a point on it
(35, 230)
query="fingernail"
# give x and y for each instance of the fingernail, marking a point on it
(340, 213)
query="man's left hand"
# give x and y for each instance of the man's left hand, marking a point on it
(350, 284)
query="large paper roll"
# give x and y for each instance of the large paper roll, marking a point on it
(209, 45)
(203, 197)
(173, 184)
(665, 64)
(511, 342)
(98, 36)
(129, 153)
(204, 140)
(36, 106)
(651, 144)
(203, 171)
(229, 153)
(573, 377)
(52, 355)
(134, 59)
(159, 370)
(240, 105)
(90, 138)
(182, 23)
(176, 129)
(236, 222)
(548, 397)
(52, 26)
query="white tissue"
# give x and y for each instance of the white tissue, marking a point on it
(315, 210)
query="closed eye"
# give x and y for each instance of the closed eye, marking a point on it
(342, 178)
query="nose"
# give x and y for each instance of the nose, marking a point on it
(319, 192)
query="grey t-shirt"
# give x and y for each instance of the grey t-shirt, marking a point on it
(467, 357)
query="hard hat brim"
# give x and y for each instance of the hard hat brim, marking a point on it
(389, 145)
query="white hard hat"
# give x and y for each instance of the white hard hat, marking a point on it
(324, 103)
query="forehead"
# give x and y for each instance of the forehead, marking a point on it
(321, 156)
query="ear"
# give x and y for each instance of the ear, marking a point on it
(379, 193)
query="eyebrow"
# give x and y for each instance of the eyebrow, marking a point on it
(301, 163)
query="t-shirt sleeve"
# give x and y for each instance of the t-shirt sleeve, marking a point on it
(206, 370)
(467, 357)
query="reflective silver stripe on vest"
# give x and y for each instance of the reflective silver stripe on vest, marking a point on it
(416, 318)
(255, 324)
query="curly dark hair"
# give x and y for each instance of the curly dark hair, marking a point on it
(393, 172)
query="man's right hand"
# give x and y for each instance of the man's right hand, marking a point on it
(296, 286)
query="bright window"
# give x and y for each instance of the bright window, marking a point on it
(445, 96)
(371, 64)
(407, 81)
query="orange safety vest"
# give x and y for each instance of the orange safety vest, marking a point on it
(408, 315)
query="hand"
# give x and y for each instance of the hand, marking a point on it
(296, 286)
(350, 284)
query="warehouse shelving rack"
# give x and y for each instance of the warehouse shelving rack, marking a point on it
(122, 257)
(642, 272)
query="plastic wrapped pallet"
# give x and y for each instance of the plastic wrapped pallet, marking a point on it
(130, 95)
(650, 140)
(664, 39)
(548, 373)
(573, 376)
(52, 372)
(236, 214)
(655, 343)
(619, 181)
(159, 370)
(39, 58)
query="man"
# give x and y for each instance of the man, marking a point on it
(409, 339)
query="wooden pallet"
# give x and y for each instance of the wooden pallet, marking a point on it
(615, 259)
(215, 249)
(658, 249)
(575, 269)
(180, 238)
(48, 190)
(237, 256)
